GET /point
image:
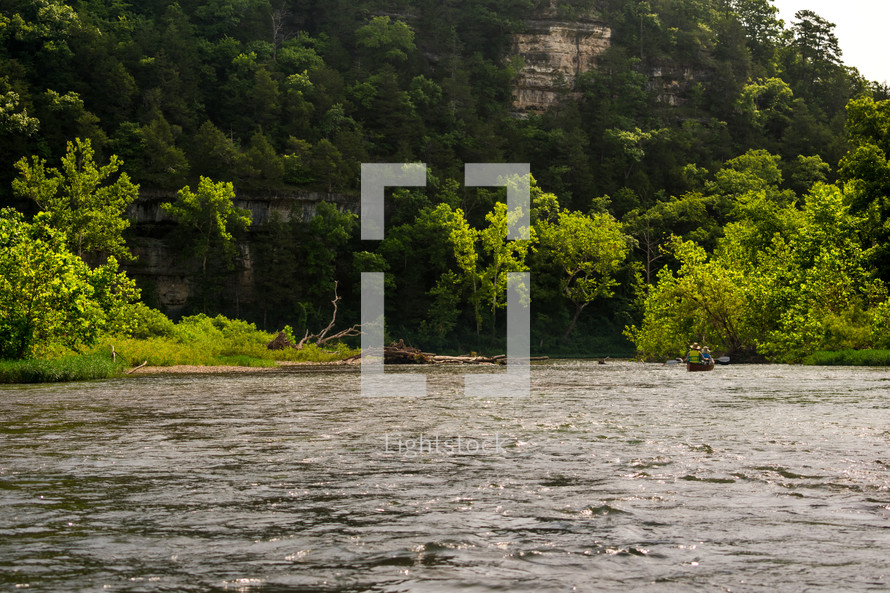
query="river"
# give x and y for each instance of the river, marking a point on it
(617, 477)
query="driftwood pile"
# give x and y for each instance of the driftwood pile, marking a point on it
(281, 341)
(400, 353)
(395, 353)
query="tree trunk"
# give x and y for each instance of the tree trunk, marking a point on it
(578, 309)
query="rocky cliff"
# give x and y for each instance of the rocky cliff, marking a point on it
(167, 275)
(265, 205)
(554, 52)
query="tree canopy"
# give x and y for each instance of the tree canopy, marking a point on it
(49, 295)
(717, 172)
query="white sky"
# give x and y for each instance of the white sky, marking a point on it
(862, 30)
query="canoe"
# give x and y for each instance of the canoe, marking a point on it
(697, 366)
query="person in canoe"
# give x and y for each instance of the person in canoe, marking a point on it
(693, 354)
(706, 357)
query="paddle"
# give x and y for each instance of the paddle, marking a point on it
(673, 361)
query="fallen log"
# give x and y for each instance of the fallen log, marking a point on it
(442, 359)
(401, 353)
(134, 369)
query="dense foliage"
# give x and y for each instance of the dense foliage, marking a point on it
(720, 175)
(49, 295)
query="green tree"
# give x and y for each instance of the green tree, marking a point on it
(163, 164)
(814, 63)
(501, 256)
(211, 215)
(590, 249)
(819, 276)
(324, 255)
(467, 279)
(817, 44)
(331, 230)
(66, 116)
(328, 164)
(266, 166)
(14, 118)
(702, 301)
(630, 148)
(759, 19)
(48, 294)
(866, 171)
(387, 40)
(214, 154)
(801, 285)
(767, 104)
(83, 200)
(807, 171)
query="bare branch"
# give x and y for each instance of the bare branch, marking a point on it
(305, 339)
(323, 337)
(333, 317)
(279, 20)
(134, 369)
(355, 330)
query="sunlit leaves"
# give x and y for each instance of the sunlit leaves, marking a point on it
(211, 214)
(589, 250)
(84, 201)
(767, 103)
(776, 285)
(14, 117)
(49, 295)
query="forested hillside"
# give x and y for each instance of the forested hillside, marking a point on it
(719, 175)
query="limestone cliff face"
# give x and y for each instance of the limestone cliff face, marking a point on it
(168, 276)
(263, 205)
(555, 51)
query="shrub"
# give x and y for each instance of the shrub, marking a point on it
(203, 340)
(48, 294)
(850, 358)
(880, 325)
(150, 323)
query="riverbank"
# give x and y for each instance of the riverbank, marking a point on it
(90, 367)
(869, 358)
(193, 369)
(194, 345)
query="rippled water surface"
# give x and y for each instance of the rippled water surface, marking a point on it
(618, 477)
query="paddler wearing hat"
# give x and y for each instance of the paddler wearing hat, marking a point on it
(693, 354)
(706, 355)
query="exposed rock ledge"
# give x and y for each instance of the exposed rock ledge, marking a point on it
(554, 53)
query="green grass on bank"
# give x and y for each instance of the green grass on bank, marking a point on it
(197, 340)
(873, 358)
(208, 341)
(78, 367)
(164, 352)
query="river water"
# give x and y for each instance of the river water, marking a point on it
(617, 477)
